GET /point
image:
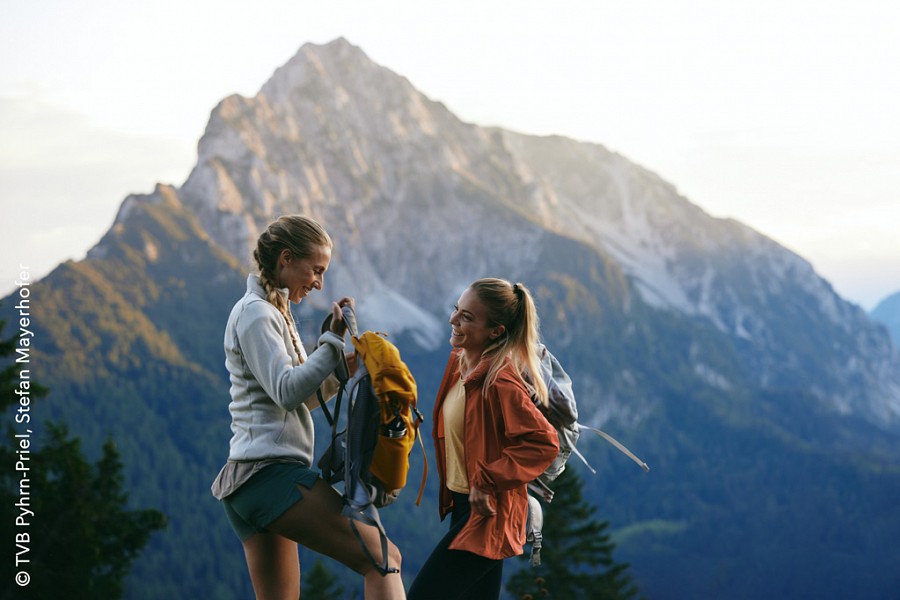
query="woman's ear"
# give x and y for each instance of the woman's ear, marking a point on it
(285, 257)
(498, 331)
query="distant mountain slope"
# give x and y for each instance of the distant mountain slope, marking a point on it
(888, 313)
(766, 405)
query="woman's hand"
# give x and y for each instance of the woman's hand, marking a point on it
(482, 503)
(338, 326)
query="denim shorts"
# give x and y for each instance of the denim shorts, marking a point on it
(266, 496)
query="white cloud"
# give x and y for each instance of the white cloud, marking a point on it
(62, 179)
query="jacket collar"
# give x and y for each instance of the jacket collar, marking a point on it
(478, 375)
(254, 286)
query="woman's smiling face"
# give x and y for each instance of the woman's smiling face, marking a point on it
(302, 275)
(469, 328)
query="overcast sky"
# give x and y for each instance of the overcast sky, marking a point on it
(781, 114)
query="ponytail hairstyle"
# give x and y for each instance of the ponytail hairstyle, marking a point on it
(300, 236)
(512, 306)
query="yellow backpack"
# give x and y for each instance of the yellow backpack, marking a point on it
(396, 392)
(370, 456)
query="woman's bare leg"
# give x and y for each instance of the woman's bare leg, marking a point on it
(316, 522)
(274, 566)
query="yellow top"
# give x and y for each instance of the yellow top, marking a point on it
(454, 413)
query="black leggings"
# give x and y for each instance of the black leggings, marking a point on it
(457, 574)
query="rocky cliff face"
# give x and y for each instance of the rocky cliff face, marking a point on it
(420, 203)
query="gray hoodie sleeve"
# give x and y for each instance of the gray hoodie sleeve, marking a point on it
(261, 332)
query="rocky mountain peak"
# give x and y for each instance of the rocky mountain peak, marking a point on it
(333, 65)
(420, 203)
(328, 127)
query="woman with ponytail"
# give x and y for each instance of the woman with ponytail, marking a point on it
(272, 497)
(490, 440)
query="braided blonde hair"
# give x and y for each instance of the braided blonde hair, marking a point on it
(300, 236)
(512, 306)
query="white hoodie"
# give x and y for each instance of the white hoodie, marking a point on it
(272, 389)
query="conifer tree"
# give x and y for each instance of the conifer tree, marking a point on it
(77, 537)
(321, 584)
(577, 554)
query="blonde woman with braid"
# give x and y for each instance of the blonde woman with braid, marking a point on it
(272, 497)
(490, 441)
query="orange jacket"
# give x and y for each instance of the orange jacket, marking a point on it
(508, 444)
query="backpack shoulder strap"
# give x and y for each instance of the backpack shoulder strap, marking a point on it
(615, 443)
(534, 529)
(341, 371)
(424, 467)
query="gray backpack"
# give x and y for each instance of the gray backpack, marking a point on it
(562, 412)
